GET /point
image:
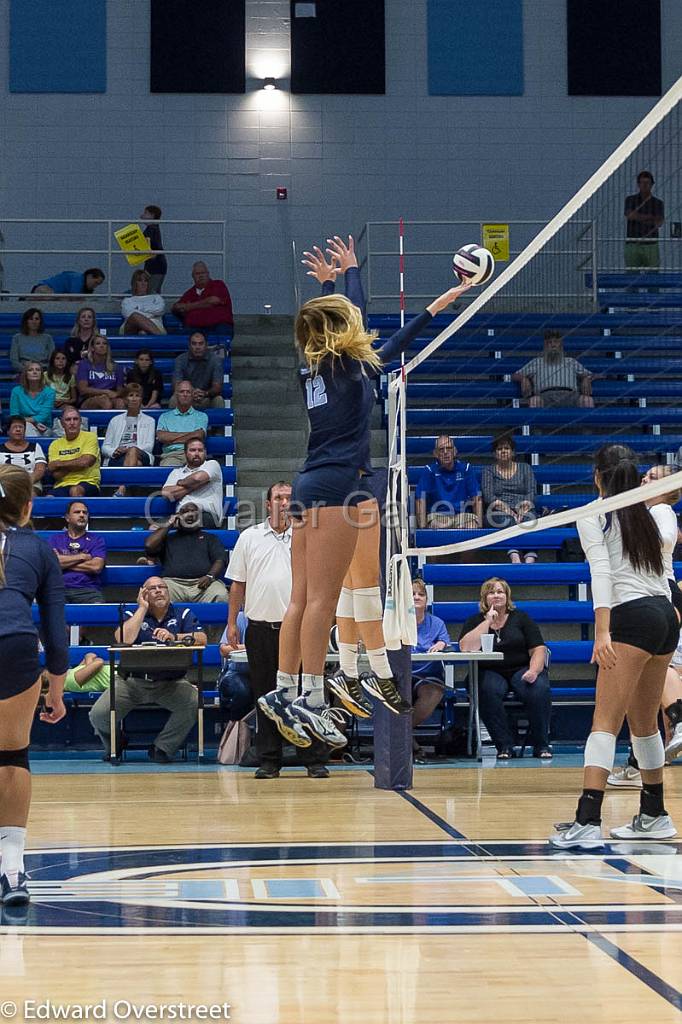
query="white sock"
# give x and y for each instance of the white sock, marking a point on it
(348, 659)
(313, 690)
(378, 662)
(12, 843)
(288, 684)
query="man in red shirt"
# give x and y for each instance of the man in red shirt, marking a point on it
(207, 305)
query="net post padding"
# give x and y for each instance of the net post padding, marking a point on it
(611, 164)
(600, 506)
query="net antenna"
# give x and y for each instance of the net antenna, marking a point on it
(532, 284)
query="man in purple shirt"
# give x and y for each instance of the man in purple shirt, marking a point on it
(81, 555)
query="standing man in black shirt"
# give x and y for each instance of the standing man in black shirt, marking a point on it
(644, 214)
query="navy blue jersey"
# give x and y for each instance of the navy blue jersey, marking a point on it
(341, 394)
(32, 572)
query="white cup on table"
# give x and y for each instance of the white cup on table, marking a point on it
(487, 641)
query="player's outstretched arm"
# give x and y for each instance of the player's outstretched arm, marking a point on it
(399, 341)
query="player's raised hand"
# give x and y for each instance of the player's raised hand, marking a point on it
(343, 252)
(320, 268)
(451, 295)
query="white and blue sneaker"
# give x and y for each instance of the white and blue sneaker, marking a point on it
(674, 748)
(643, 826)
(386, 691)
(278, 709)
(570, 835)
(320, 721)
(14, 895)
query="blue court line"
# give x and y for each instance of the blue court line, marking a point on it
(638, 970)
(431, 815)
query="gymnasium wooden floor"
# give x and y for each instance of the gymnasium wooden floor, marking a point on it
(299, 901)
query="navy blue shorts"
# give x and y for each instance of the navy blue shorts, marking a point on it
(118, 460)
(649, 623)
(89, 490)
(19, 656)
(327, 486)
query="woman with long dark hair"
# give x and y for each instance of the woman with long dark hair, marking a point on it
(28, 571)
(635, 632)
(32, 343)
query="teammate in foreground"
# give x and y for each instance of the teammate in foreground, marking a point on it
(28, 571)
(636, 631)
(338, 383)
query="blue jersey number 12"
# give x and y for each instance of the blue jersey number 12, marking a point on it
(316, 393)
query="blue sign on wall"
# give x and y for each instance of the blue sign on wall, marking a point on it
(58, 46)
(475, 50)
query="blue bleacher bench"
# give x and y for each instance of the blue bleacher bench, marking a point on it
(151, 476)
(565, 474)
(538, 574)
(473, 365)
(634, 279)
(553, 444)
(542, 611)
(618, 415)
(134, 540)
(118, 507)
(658, 300)
(101, 417)
(214, 446)
(108, 321)
(6, 391)
(535, 321)
(164, 366)
(108, 614)
(538, 540)
(497, 390)
(574, 344)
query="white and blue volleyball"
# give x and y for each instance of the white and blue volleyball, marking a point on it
(473, 263)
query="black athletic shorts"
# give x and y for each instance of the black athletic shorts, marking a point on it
(649, 623)
(327, 486)
(676, 595)
(19, 665)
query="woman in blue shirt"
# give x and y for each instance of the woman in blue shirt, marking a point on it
(34, 400)
(428, 677)
(28, 571)
(333, 510)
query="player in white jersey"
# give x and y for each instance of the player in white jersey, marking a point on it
(636, 631)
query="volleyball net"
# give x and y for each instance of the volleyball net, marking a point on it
(605, 277)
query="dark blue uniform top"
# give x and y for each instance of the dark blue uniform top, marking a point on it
(340, 395)
(32, 572)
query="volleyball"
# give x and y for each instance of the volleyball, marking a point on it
(473, 263)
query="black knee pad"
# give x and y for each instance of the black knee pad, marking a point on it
(15, 759)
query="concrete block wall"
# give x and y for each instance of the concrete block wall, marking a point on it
(344, 159)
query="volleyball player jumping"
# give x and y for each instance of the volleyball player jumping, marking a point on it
(338, 381)
(28, 571)
(636, 631)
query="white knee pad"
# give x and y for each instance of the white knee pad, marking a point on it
(344, 609)
(600, 750)
(649, 751)
(367, 606)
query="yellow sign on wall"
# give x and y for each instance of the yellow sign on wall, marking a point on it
(133, 243)
(496, 238)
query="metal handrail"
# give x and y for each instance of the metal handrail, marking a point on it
(111, 250)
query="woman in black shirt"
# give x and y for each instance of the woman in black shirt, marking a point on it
(28, 571)
(523, 670)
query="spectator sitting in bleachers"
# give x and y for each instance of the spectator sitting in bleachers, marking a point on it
(555, 379)
(154, 619)
(518, 638)
(70, 282)
(445, 489)
(428, 677)
(143, 310)
(33, 400)
(144, 373)
(74, 459)
(156, 266)
(509, 491)
(83, 333)
(130, 437)
(91, 676)
(179, 425)
(17, 451)
(234, 683)
(81, 555)
(193, 561)
(31, 342)
(204, 371)
(99, 377)
(200, 482)
(207, 305)
(59, 377)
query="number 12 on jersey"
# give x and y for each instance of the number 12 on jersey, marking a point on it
(316, 392)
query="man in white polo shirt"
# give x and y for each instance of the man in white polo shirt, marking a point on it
(200, 481)
(260, 570)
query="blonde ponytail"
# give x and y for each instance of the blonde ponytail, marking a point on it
(332, 326)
